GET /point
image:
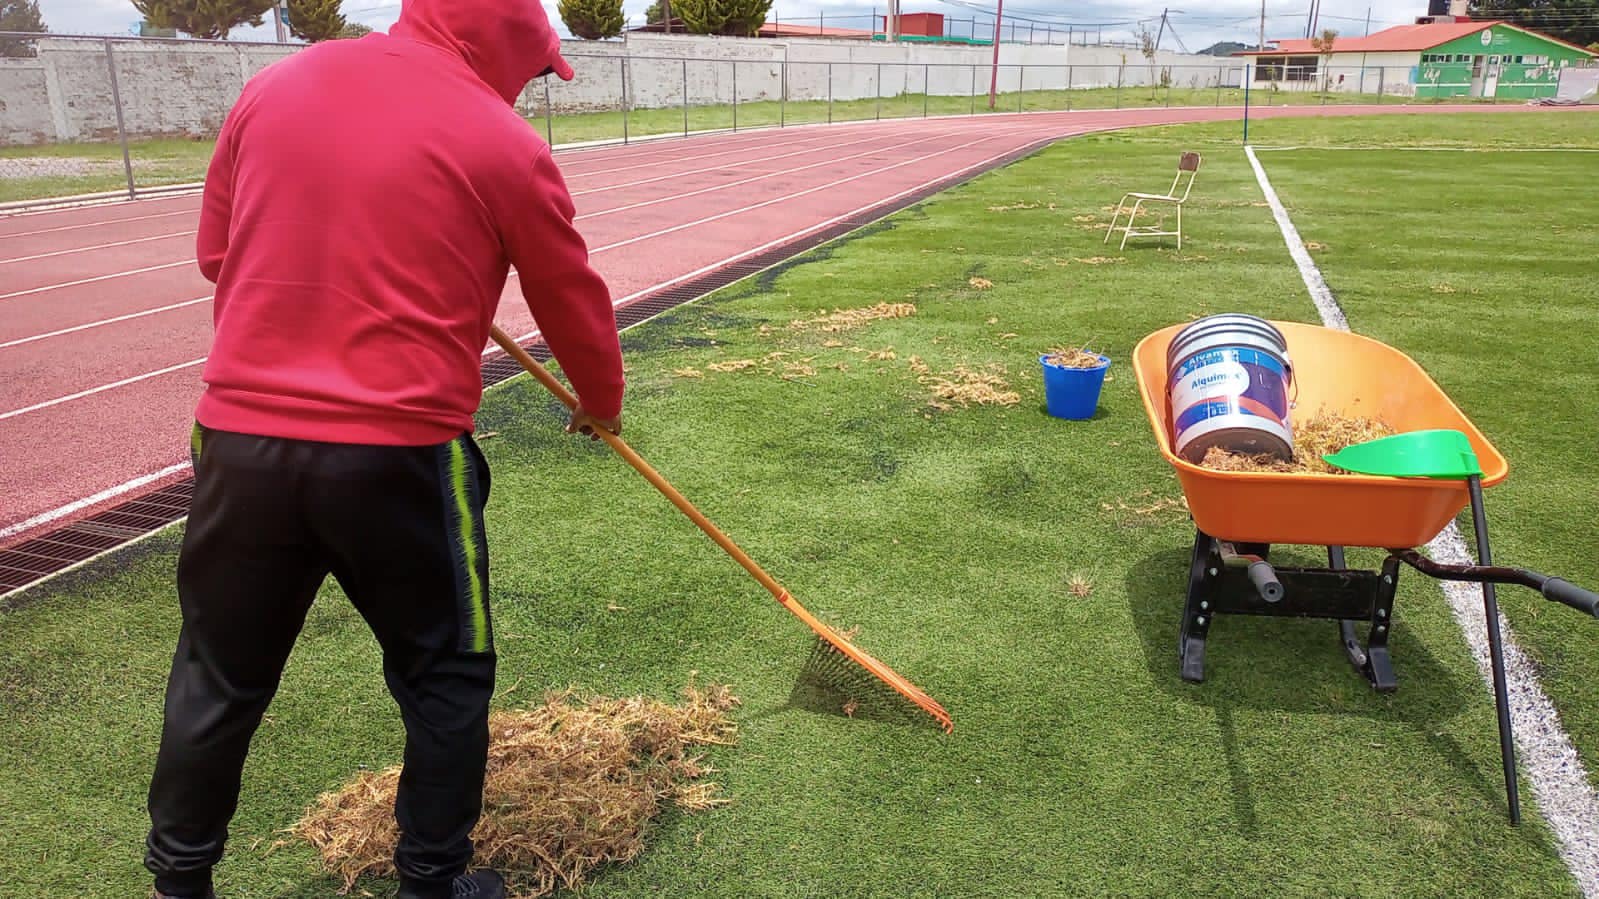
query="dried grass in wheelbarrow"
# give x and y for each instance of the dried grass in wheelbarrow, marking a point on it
(1325, 434)
(571, 786)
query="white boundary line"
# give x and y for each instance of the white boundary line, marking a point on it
(714, 168)
(1550, 762)
(99, 224)
(1438, 149)
(98, 246)
(101, 389)
(830, 160)
(109, 493)
(104, 321)
(113, 492)
(594, 252)
(138, 271)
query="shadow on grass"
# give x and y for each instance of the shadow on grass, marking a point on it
(1283, 663)
(829, 683)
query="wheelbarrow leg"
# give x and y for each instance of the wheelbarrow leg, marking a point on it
(1496, 652)
(1371, 659)
(1198, 612)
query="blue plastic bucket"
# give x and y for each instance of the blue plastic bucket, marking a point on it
(1073, 393)
(1229, 381)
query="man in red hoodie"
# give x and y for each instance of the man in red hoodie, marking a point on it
(360, 216)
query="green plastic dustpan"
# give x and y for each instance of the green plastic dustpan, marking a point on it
(1441, 454)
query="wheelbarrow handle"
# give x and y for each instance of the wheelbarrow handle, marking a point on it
(1557, 589)
(1567, 593)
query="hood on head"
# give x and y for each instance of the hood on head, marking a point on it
(507, 42)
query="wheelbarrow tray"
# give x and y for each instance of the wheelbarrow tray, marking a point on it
(1340, 372)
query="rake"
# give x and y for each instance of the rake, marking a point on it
(879, 670)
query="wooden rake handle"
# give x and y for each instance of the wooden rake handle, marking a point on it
(544, 377)
(879, 670)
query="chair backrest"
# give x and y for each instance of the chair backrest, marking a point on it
(1187, 165)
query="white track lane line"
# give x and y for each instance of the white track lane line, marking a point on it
(831, 160)
(61, 512)
(99, 224)
(102, 388)
(137, 271)
(105, 321)
(719, 167)
(806, 140)
(99, 246)
(1548, 758)
(786, 197)
(120, 489)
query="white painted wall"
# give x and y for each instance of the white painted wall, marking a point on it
(187, 88)
(1367, 73)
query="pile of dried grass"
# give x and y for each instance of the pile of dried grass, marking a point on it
(1325, 434)
(965, 386)
(1072, 357)
(845, 319)
(571, 785)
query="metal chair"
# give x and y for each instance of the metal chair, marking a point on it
(1187, 166)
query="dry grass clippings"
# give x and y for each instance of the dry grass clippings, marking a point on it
(687, 373)
(1083, 218)
(846, 319)
(1072, 357)
(1080, 587)
(735, 365)
(1013, 206)
(571, 786)
(965, 386)
(1325, 434)
(885, 353)
(1102, 260)
(981, 284)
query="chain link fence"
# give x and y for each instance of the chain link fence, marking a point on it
(133, 117)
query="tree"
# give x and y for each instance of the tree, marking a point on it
(19, 15)
(211, 19)
(592, 20)
(1324, 46)
(1146, 46)
(315, 20)
(1572, 21)
(731, 17)
(655, 13)
(355, 29)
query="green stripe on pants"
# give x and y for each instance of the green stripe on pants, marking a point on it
(466, 544)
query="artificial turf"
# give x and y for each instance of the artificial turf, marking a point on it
(1080, 764)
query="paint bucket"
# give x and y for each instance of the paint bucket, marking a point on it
(1073, 393)
(1228, 380)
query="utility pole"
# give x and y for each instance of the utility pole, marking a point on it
(1162, 32)
(993, 81)
(280, 11)
(1262, 44)
(666, 15)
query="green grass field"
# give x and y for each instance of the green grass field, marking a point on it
(1081, 764)
(1489, 284)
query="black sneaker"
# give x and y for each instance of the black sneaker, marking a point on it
(481, 884)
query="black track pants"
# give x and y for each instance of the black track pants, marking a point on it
(401, 528)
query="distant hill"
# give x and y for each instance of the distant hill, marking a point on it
(1225, 48)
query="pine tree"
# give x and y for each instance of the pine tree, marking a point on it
(355, 29)
(315, 20)
(731, 17)
(593, 20)
(1572, 21)
(211, 19)
(19, 15)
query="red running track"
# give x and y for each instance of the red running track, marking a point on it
(105, 319)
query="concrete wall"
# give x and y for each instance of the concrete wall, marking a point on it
(186, 88)
(1363, 73)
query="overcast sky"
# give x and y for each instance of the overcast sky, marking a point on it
(1196, 24)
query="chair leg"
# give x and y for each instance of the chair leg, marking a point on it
(1179, 227)
(1131, 218)
(1113, 217)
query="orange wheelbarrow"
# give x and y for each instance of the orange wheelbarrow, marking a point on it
(1240, 515)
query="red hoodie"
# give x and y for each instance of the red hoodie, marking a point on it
(361, 212)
